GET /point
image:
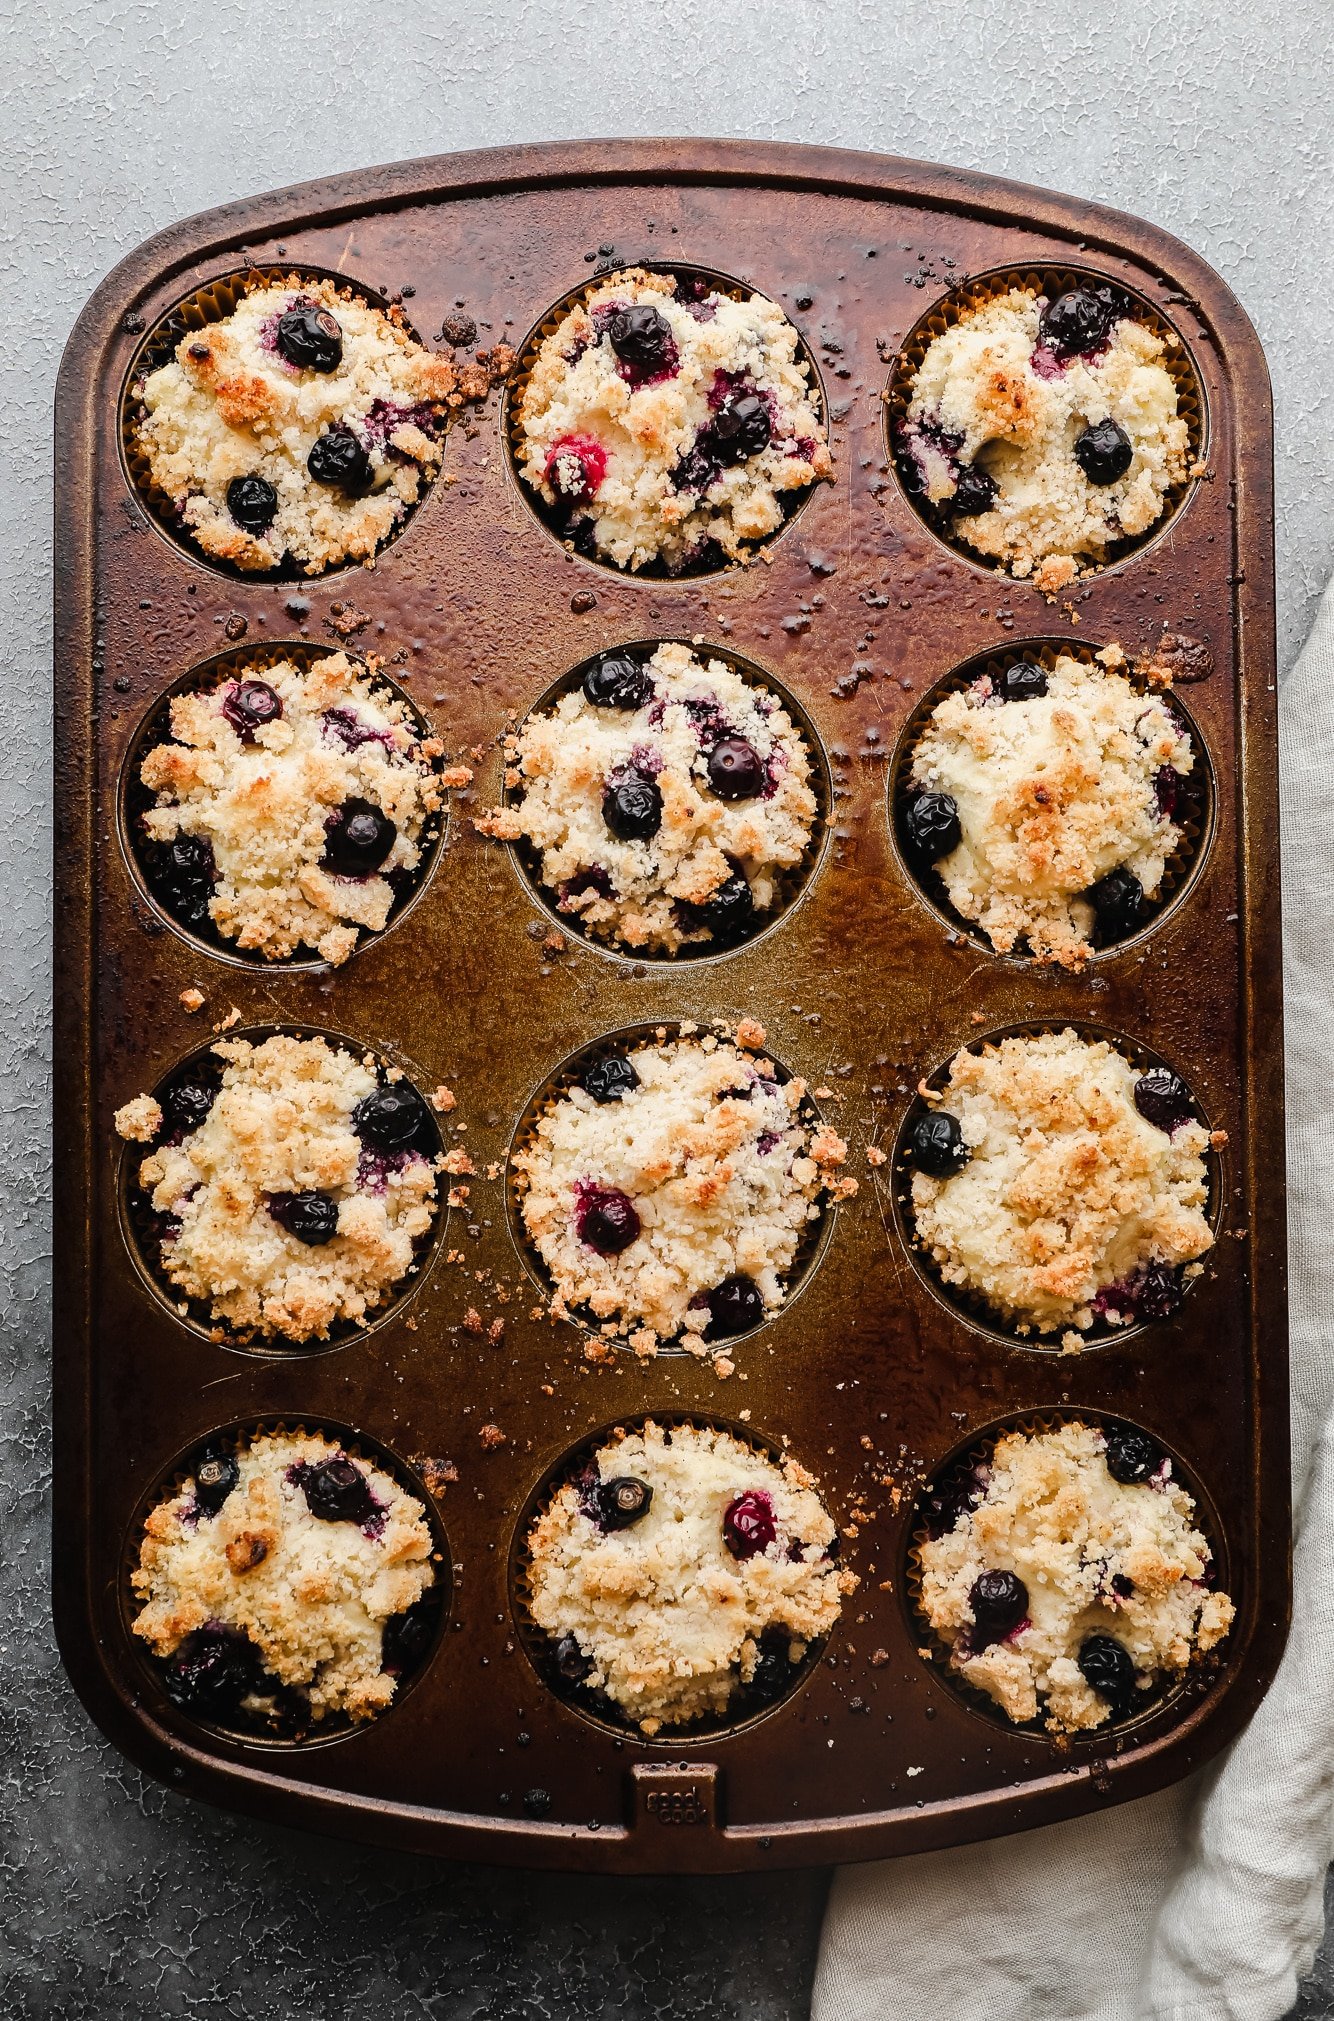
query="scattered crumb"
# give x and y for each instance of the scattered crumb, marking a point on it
(191, 1000)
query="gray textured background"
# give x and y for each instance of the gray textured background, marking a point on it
(118, 1900)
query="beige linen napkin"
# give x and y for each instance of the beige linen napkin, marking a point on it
(1203, 1903)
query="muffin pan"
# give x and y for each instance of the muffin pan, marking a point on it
(858, 611)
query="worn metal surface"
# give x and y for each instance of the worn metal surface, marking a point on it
(118, 1898)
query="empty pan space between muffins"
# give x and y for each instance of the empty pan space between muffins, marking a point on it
(293, 1268)
(1039, 802)
(1097, 1104)
(677, 801)
(292, 1601)
(292, 867)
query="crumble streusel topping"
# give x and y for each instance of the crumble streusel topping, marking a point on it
(294, 1184)
(1071, 1540)
(722, 773)
(670, 1187)
(311, 793)
(301, 427)
(1073, 776)
(254, 1580)
(684, 1573)
(1065, 1203)
(1044, 432)
(664, 419)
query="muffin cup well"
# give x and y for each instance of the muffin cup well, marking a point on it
(811, 1245)
(137, 1219)
(791, 503)
(1049, 281)
(970, 1306)
(1194, 814)
(287, 1727)
(539, 1647)
(212, 303)
(792, 884)
(1170, 1692)
(134, 799)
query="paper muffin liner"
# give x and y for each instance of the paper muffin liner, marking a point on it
(811, 1242)
(1194, 814)
(970, 1305)
(1171, 1690)
(289, 1725)
(213, 303)
(516, 387)
(1050, 281)
(142, 1238)
(790, 884)
(539, 1646)
(134, 799)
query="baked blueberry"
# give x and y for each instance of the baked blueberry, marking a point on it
(606, 1220)
(185, 874)
(1122, 1586)
(312, 1217)
(947, 1501)
(405, 1638)
(1079, 323)
(186, 1102)
(211, 1672)
(1103, 452)
(310, 338)
(999, 1601)
(773, 1668)
(1163, 1098)
(215, 1476)
(748, 1524)
(394, 1118)
(617, 681)
(252, 502)
(249, 705)
(359, 836)
(632, 808)
(736, 770)
(1118, 906)
(936, 1145)
(571, 1663)
(575, 467)
(1108, 1669)
(740, 428)
(1131, 1455)
(931, 824)
(623, 1502)
(1158, 1292)
(735, 1306)
(729, 912)
(974, 492)
(341, 460)
(609, 1078)
(642, 337)
(338, 1492)
(1024, 683)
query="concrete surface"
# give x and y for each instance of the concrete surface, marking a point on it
(116, 1899)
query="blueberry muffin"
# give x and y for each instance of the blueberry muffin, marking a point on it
(667, 1191)
(1041, 433)
(664, 422)
(1061, 1185)
(1068, 1577)
(1044, 801)
(283, 1583)
(665, 799)
(290, 1183)
(290, 807)
(300, 428)
(683, 1576)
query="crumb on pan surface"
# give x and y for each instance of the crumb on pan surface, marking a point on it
(1095, 1555)
(685, 439)
(311, 1596)
(994, 415)
(229, 406)
(282, 1127)
(267, 796)
(653, 892)
(1069, 1204)
(721, 1172)
(663, 1617)
(1053, 791)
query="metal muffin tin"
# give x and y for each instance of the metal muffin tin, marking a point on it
(857, 609)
